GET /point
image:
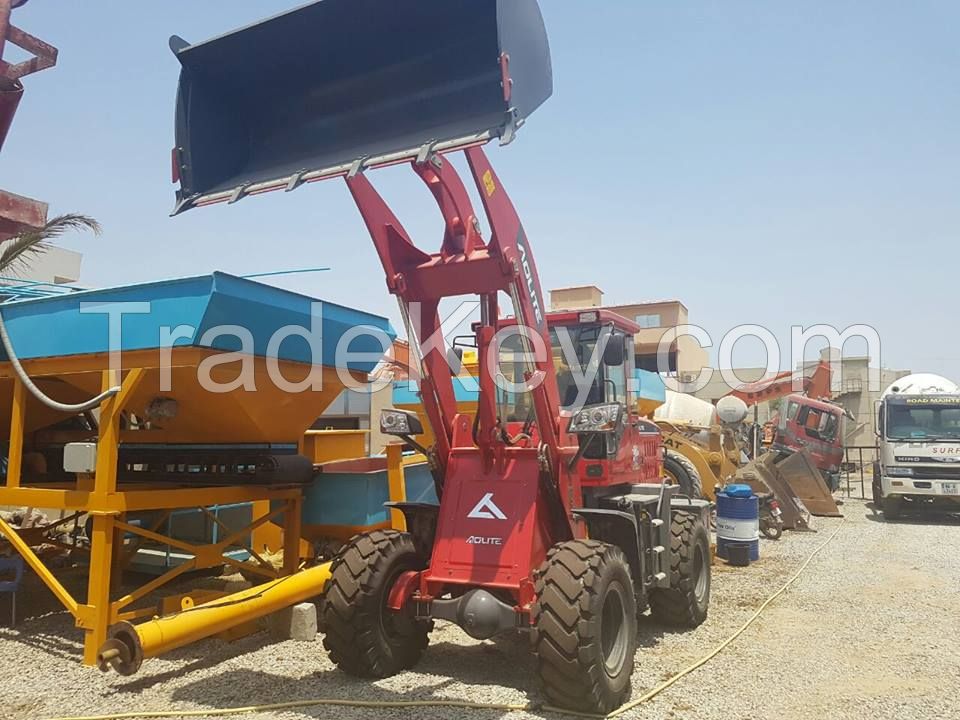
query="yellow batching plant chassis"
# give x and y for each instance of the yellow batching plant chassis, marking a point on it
(106, 502)
(148, 447)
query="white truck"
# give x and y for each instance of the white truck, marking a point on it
(918, 446)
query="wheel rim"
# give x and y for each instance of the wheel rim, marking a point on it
(613, 630)
(699, 563)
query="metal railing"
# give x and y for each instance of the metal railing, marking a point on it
(13, 289)
(856, 473)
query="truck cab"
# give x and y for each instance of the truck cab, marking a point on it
(816, 426)
(918, 448)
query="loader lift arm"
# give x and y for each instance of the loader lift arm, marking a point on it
(466, 264)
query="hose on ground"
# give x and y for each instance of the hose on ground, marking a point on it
(400, 704)
(37, 392)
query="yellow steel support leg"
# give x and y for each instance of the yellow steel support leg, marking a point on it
(17, 417)
(292, 521)
(268, 536)
(98, 589)
(397, 485)
(62, 594)
(116, 562)
(98, 612)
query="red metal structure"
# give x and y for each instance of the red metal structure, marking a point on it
(551, 519)
(815, 386)
(18, 213)
(807, 420)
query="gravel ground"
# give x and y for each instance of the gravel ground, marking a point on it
(868, 631)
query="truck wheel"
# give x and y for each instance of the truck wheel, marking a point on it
(584, 626)
(686, 602)
(892, 507)
(683, 473)
(362, 636)
(877, 494)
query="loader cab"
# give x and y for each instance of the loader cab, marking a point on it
(587, 375)
(575, 350)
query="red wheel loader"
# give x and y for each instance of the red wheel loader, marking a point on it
(552, 521)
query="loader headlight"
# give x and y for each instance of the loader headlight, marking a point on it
(596, 418)
(400, 422)
(899, 471)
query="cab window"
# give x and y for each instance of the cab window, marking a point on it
(817, 423)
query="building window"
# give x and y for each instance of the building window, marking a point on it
(650, 364)
(648, 321)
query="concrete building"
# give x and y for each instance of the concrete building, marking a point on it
(657, 320)
(57, 266)
(717, 388)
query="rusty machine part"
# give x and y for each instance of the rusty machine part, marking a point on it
(18, 213)
(807, 484)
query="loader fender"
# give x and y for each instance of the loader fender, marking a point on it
(616, 528)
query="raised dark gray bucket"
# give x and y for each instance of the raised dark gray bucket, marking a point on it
(318, 88)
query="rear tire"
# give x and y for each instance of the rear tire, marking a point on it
(683, 473)
(892, 507)
(585, 626)
(363, 637)
(686, 602)
(771, 529)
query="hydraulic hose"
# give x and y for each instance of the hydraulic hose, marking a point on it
(37, 392)
(466, 705)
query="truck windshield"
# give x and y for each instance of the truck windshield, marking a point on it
(923, 421)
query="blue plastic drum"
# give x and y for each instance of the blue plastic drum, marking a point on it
(738, 519)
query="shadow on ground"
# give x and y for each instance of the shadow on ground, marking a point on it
(915, 517)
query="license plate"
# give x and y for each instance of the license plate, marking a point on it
(950, 488)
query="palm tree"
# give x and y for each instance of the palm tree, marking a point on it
(15, 254)
(19, 251)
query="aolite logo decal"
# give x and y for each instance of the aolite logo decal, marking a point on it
(528, 275)
(487, 509)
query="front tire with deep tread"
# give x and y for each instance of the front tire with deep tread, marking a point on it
(683, 472)
(584, 626)
(361, 635)
(686, 602)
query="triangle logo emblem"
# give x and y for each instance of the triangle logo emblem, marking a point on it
(487, 509)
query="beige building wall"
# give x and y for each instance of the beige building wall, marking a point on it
(656, 319)
(56, 266)
(572, 298)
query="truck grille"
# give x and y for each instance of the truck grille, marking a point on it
(946, 472)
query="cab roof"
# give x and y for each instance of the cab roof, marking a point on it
(601, 316)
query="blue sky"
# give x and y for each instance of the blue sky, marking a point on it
(770, 163)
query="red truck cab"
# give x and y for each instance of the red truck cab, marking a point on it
(816, 426)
